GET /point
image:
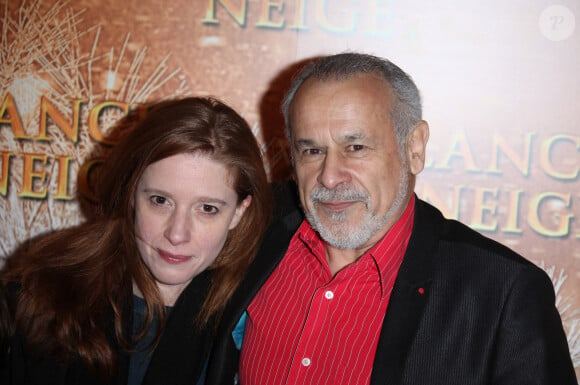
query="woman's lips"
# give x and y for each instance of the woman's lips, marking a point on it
(173, 259)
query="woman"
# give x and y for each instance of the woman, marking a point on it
(134, 296)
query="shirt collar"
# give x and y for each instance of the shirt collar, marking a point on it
(387, 253)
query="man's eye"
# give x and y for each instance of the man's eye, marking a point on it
(355, 147)
(311, 151)
(209, 209)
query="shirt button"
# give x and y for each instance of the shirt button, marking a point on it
(329, 294)
(306, 361)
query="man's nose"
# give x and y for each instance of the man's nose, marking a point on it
(334, 170)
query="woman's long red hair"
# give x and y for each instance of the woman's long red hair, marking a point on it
(73, 280)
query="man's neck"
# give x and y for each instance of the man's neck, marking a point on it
(339, 258)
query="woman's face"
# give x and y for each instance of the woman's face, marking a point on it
(184, 208)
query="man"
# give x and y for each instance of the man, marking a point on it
(375, 286)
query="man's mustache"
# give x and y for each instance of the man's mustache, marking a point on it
(323, 194)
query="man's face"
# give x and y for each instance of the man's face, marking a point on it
(352, 181)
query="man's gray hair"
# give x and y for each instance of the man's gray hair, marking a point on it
(406, 109)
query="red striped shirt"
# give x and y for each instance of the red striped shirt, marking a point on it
(306, 327)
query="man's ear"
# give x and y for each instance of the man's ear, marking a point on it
(416, 145)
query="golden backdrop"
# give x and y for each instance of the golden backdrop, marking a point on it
(499, 82)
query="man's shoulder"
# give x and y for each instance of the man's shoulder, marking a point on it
(287, 208)
(458, 259)
(460, 243)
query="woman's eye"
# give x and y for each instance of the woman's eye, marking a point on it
(158, 200)
(209, 209)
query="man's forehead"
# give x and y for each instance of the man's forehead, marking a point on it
(365, 90)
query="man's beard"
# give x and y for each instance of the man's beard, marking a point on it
(340, 233)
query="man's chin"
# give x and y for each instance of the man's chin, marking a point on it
(346, 240)
(335, 230)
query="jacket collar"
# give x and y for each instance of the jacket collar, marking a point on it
(275, 242)
(409, 297)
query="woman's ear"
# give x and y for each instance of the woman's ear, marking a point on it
(240, 210)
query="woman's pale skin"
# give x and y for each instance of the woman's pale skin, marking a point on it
(184, 208)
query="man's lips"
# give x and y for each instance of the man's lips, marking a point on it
(173, 259)
(337, 205)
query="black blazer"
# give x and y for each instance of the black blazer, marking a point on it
(178, 359)
(485, 315)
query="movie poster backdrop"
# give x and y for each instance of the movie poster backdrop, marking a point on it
(499, 81)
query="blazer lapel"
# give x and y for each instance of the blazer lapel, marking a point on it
(273, 248)
(407, 302)
(287, 217)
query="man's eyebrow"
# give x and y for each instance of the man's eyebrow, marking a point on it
(346, 138)
(354, 137)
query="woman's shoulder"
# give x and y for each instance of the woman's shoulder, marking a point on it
(7, 295)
